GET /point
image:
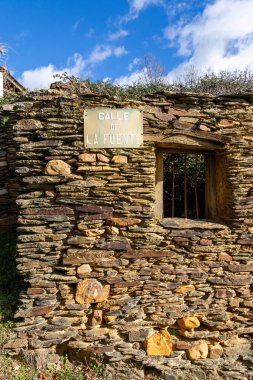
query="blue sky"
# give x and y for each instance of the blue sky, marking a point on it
(106, 39)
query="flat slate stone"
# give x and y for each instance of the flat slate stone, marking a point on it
(142, 253)
(180, 223)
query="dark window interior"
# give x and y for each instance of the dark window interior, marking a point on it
(184, 185)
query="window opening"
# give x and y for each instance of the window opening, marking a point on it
(184, 185)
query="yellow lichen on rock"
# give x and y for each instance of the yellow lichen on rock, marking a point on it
(109, 318)
(159, 344)
(104, 295)
(188, 323)
(91, 291)
(198, 351)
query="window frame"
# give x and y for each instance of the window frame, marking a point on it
(216, 183)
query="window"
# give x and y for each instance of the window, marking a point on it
(184, 185)
(191, 183)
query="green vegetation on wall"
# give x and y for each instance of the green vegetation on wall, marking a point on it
(10, 282)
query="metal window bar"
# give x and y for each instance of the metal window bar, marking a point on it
(196, 186)
(185, 177)
(185, 186)
(173, 188)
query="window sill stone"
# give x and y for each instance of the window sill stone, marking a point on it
(186, 224)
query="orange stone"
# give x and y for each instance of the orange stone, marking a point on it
(204, 128)
(185, 289)
(248, 222)
(215, 351)
(224, 257)
(182, 345)
(97, 318)
(182, 332)
(104, 295)
(91, 291)
(112, 230)
(84, 269)
(198, 351)
(102, 158)
(119, 159)
(87, 157)
(35, 291)
(55, 167)
(188, 323)
(123, 222)
(50, 193)
(109, 318)
(226, 123)
(159, 344)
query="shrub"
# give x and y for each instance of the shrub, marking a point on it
(10, 282)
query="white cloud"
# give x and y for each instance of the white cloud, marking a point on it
(221, 38)
(75, 65)
(128, 79)
(136, 6)
(119, 51)
(3, 51)
(75, 26)
(117, 35)
(135, 62)
(101, 52)
(42, 77)
(90, 33)
(107, 79)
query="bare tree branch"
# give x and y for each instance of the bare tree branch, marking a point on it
(152, 72)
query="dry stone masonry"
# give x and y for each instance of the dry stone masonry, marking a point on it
(8, 181)
(104, 275)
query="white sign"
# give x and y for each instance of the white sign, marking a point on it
(113, 128)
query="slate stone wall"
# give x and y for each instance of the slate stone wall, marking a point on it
(8, 187)
(104, 277)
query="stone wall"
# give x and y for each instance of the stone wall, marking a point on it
(104, 276)
(8, 185)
